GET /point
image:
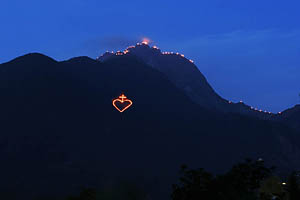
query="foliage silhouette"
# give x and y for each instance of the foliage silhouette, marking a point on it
(241, 182)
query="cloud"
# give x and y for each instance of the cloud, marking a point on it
(253, 49)
(109, 43)
(238, 39)
(260, 67)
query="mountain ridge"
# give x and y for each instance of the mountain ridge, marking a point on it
(186, 76)
(58, 122)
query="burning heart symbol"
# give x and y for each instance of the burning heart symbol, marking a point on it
(122, 103)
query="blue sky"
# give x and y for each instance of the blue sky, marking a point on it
(248, 50)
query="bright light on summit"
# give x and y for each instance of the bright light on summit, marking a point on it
(146, 41)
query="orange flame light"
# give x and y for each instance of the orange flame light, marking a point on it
(122, 103)
(146, 41)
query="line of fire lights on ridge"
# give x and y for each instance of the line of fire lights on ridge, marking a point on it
(256, 109)
(119, 53)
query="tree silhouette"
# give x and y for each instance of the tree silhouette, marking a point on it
(241, 182)
(272, 188)
(293, 187)
(85, 194)
(194, 184)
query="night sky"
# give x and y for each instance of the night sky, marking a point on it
(248, 50)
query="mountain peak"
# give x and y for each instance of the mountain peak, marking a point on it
(291, 111)
(143, 50)
(182, 72)
(33, 58)
(82, 59)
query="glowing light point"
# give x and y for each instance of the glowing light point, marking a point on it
(122, 103)
(145, 41)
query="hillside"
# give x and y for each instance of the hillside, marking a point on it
(186, 76)
(59, 129)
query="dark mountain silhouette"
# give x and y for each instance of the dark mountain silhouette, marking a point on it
(186, 76)
(291, 117)
(59, 129)
(179, 71)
